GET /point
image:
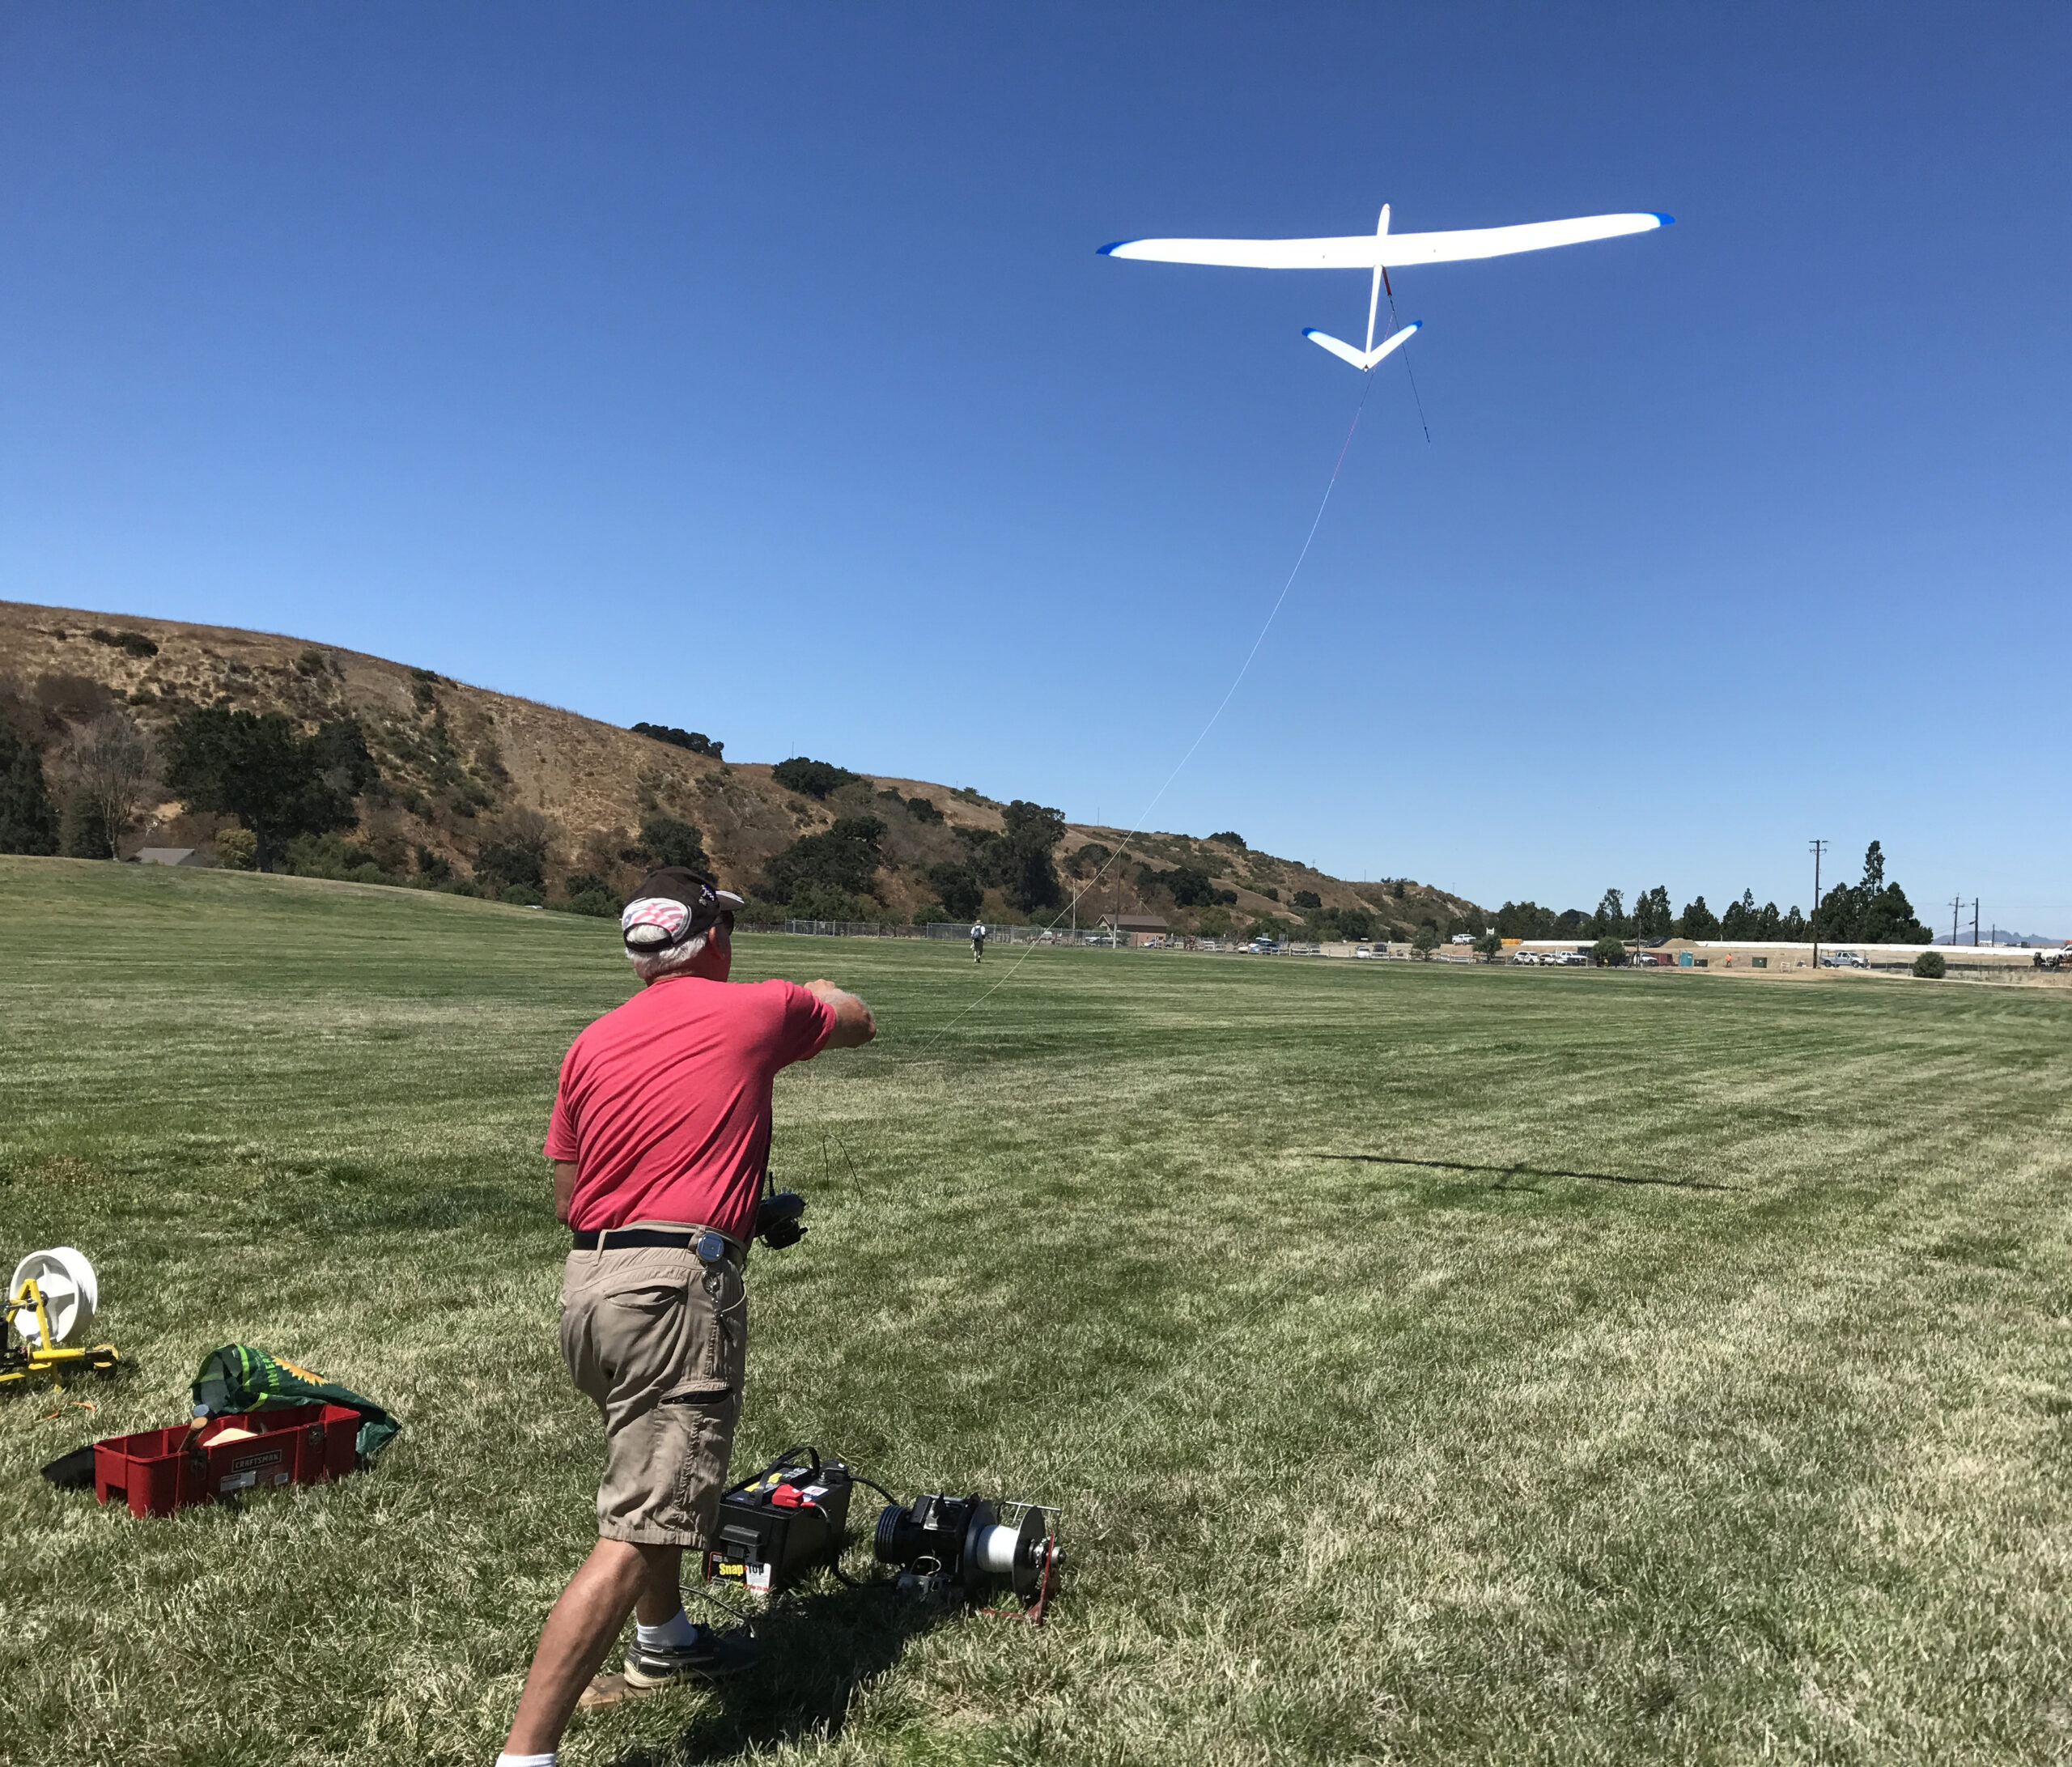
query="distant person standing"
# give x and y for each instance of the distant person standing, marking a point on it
(978, 941)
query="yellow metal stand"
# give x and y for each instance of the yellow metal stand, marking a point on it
(23, 1360)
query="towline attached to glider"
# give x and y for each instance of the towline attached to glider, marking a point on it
(1379, 251)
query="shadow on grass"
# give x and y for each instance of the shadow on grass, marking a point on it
(820, 1652)
(1522, 1170)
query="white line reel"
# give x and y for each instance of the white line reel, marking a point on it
(70, 1295)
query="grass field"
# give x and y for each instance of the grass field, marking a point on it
(1437, 1365)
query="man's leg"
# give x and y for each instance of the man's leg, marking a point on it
(582, 1627)
(661, 1596)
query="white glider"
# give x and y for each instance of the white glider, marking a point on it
(1379, 251)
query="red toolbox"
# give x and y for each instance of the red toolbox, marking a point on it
(158, 1471)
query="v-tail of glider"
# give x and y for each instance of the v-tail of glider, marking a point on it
(1362, 359)
(1378, 252)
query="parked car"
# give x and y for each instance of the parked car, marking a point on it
(1462, 938)
(1263, 947)
(1844, 960)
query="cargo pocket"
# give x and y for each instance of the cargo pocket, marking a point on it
(707, 1413)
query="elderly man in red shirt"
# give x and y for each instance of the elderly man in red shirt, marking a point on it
(659, 1136)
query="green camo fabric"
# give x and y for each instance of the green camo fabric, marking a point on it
(238, 1378)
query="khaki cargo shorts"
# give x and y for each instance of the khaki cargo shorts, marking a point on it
(659, 1342)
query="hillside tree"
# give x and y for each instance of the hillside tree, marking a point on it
(1031, 834)
(842, 862)
(695, 741)
(1091, 858)
(669, 840)
(514, 855)
(960, 893)
(261, 769)
(115, 770)
(28, 818)
(813, 778)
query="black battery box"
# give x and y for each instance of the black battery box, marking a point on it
(786, 1524)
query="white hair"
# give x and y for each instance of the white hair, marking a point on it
(647, 965)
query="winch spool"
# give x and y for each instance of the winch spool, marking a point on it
(70, 1295)
(960, 1548)
(1020, 1551)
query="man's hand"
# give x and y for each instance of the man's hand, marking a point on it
(853, 1023)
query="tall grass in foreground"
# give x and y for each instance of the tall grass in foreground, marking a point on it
(1434, 1366)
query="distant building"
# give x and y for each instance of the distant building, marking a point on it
(1136, 927)
(167, 855)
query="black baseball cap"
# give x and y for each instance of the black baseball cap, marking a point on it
(672, 907)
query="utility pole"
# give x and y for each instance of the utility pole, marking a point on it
(1119, 901)
(1956, 908)
(1818, 847)
(1974, 922)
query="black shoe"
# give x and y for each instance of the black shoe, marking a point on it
(716, 1654)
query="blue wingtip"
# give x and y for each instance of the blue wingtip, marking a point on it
(1105, 250)
(1311, 331)
(1417, 325)
(1665, 220)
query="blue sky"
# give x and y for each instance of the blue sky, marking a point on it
(753, 370)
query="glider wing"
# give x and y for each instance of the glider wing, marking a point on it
(1371, 251)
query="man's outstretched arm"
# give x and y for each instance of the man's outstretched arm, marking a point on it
(853, 1023)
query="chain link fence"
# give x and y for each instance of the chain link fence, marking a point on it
(958, 931)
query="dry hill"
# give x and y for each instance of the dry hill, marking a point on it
(460, 767)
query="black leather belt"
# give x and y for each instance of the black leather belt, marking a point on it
(665, 1238)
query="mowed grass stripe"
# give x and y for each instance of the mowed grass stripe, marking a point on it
(1361, 1460)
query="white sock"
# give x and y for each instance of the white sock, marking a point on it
(528, 1760)
(679, 1633)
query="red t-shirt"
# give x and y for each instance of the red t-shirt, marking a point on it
(663, 1102)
